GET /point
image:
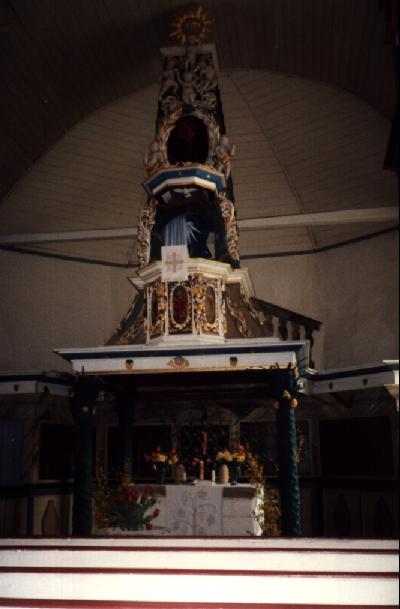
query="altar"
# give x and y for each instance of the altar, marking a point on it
(204, 510)
(194, 325)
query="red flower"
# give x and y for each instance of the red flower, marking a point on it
(149, 526)
(234, 445)
(173, 451)
(156, 513)
(133, 493)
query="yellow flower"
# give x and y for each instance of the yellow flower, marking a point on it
(294, 403)
(286, 394)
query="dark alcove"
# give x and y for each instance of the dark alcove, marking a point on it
(188, 142)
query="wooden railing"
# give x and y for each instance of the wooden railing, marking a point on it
(286, 325)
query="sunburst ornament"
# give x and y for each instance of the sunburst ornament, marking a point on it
(191, 27)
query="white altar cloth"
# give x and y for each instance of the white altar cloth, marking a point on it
(205, 510)
(201, 510)
(194, 510)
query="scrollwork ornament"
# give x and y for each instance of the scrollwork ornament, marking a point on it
(199, 295)
(228, 213)
(146, 223)
(239, 318)
(158, 291)
(223, 317)
(252, 310)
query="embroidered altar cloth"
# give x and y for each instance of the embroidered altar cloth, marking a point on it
(194, 510)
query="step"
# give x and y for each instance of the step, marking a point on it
(304, 543)
(204, 573)
(162, 557)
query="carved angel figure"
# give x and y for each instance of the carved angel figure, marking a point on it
(188, 89)
(190, 59)
(206, 79)
(154, 158)
(169, 81)
(223, 153)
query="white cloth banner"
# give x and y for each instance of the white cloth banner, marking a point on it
(174, 263)
(194, 510)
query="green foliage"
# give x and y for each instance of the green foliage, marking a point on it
(268, 511)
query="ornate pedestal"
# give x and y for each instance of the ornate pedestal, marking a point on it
(213, 304)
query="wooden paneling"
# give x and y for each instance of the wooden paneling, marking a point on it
(300, 147)
(60, 61)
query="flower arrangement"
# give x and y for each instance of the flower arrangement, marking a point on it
(160, 462)
(236, 455)
(123, 506)
(158, 457)
(130, 509)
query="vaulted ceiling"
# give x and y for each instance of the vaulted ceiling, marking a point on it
(308, 90)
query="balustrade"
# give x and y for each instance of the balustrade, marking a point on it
(286, 325)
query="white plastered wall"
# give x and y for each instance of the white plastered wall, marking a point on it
(360, 288)
(48, 303)
(301, 146)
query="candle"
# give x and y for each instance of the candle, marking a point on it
(201, 470)
(213, 475)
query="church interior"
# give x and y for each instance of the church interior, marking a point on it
(199, 311)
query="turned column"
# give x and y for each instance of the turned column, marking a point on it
(284, 388)
(83, 408)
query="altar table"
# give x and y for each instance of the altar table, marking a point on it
(206, 510)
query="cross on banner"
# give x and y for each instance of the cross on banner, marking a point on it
(174, 259)
(173, 262)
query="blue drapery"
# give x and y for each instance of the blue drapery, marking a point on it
(180, 232)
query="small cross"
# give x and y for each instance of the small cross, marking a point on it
(174, 262)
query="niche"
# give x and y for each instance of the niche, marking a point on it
(188, 141)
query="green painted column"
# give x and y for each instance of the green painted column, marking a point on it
(83, 408)
(284, 388)
(125, 406)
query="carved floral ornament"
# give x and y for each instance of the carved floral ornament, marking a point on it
(157, 306)
(146, 222)
(228, 213)
(205, 304)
